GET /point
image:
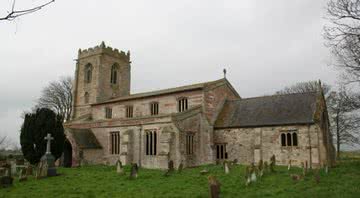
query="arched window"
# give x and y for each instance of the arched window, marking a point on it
(182, 104)
(288, 135)
(86, 98)
(88, 73)
(283, 139)
(114, 74)
(294, 139)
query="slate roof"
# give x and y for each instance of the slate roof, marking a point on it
(85, 138)
(268, 111)
(165, 91)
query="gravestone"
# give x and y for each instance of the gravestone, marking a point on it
(7, 180)
(326, 169)
(247, 176)
(171, 166)
(214, 187)
(48, 159)
(272, 163)
(204, 172)
(261, 168)
(217, 162)
(226, 167)
(22, 175)
(289, 165)
(119, 167)
(306, 167)
(134, 171)
(181, 166)
(253, 172)
(29, 170)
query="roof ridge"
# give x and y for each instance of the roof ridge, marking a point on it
(274, 95)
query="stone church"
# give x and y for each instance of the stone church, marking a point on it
(194, 124)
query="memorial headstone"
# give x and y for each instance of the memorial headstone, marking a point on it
(119, 167)
(171, 166)
(214, 187)
(7, 180)
(134, 171)
(48, 159)
(226, 167)
(272, 163)
(261, 168)
(22, 175)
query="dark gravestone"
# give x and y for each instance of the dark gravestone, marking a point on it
(29, 170)
(134, 171)
(171, 166)
(272, 163)
(7, 180)
(214, 187)
(261, 168)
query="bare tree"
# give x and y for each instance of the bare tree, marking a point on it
(17, 13)
(304, 87)
(344, 119)
(343, 36)
(58, 97)
(4, 142)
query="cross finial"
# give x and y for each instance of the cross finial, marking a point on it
(48, 138)
(224, 73)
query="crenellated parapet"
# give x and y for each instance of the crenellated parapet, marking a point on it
(103, 49)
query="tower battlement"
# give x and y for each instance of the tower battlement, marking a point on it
(103, 49)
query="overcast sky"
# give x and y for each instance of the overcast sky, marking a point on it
(264, 45)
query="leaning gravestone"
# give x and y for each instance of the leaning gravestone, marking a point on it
(134, 171)
(119, 167)
(48, 159)
(214, 187)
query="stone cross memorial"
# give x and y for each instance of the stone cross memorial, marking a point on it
(48, 159)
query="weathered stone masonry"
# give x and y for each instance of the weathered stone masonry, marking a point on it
(209, 114)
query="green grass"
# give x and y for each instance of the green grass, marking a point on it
(102, 181)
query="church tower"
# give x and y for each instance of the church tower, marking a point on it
(102, 73)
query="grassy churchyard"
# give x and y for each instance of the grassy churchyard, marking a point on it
(103, 181)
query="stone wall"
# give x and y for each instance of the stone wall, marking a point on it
(141, 107)
(252, 144)
(215, 96)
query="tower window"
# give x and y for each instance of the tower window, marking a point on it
(88, 73)
(150, 142)
(114, 74)
(154, 108)
(129, 111)
(289, 138)
(115, 142)
(86, 98)
(108, 112)
(182, 104)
